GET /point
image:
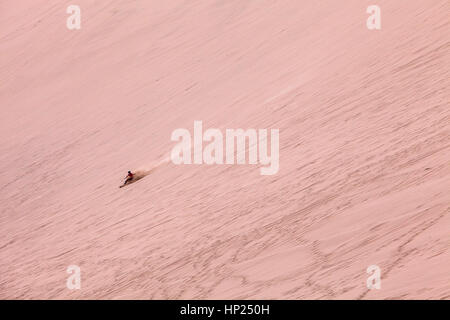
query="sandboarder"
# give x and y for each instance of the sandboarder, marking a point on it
(128, 178)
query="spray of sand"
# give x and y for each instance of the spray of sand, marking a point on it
(144, 171)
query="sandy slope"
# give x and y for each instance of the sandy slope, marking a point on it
(364, 123)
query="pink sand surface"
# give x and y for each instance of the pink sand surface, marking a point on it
(364, 122)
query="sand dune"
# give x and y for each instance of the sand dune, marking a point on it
(364, 122)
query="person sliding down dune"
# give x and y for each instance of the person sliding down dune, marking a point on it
(128, 178)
